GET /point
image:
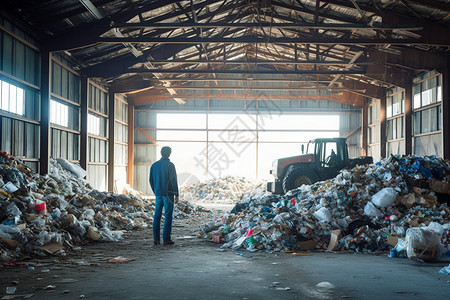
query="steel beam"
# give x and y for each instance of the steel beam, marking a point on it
(253, 62)
(261, 88)
(364, 89)
(209, 71)
(271, 40)
(335, 26)
(344, 97)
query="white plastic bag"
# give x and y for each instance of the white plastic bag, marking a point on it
(323, 215)
(371, 211)
(422, 243)
(77, 170)
(384, 198)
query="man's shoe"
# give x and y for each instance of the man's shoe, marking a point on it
(169, 242)
(156, 242)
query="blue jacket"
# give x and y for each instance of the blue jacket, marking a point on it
(163, 178)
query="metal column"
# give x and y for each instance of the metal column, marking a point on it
(84, 123)
(130, 168)
(408, 117)
(446, 111)
(383, 137)
(111, 123)
(46, 66)
(365, 127)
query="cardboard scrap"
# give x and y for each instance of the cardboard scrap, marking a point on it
(9, 242)
(334, 239)
(52, 247)
(307, 245)
(92, 234)
(120, 259)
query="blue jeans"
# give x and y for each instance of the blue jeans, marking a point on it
(167, 202)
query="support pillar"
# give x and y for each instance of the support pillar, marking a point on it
(446, 111)
(408, 118)
(84, 123)
(111, 123)
(364, 127)
(46, 66)
(130, 169)
(383, 137)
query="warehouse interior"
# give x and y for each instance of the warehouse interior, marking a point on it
(229, 85)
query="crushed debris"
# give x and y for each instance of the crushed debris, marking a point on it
(225, 190)
(50, 214)
(358, 211)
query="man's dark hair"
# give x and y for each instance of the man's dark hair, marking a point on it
(165, 151)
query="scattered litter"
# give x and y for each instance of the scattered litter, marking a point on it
(283, 289)
(300, 254)
(49, 287)
(10, 290)
(325, 285)
(445, 270)
(242, 254)
(120, 259)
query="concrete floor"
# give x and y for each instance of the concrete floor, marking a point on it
(197, 269)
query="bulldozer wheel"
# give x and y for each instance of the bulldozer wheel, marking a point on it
(296, 177)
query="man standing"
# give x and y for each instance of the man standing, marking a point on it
(163, 180)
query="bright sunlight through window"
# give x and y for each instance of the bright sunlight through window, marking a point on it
(12, 98)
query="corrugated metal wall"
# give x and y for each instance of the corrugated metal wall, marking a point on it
(20, 66)
(144, 151)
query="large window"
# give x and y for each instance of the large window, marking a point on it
(93, 124)
(428, 92)
(395, 103)
(12, 98)
(239, 144)
(427, 120)
(427, 108)
(59, 113)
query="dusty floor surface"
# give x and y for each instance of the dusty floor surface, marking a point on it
(194, 268)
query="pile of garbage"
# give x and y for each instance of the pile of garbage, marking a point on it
(399, 203)
(225, 190)
(50, 214)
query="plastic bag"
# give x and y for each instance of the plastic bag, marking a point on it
(422, 243)
(384, 198)
(371, 211)
(323, 215)
(40, 207)
(77, 170)
(13, 233)
(435, 227)
(12, 210)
